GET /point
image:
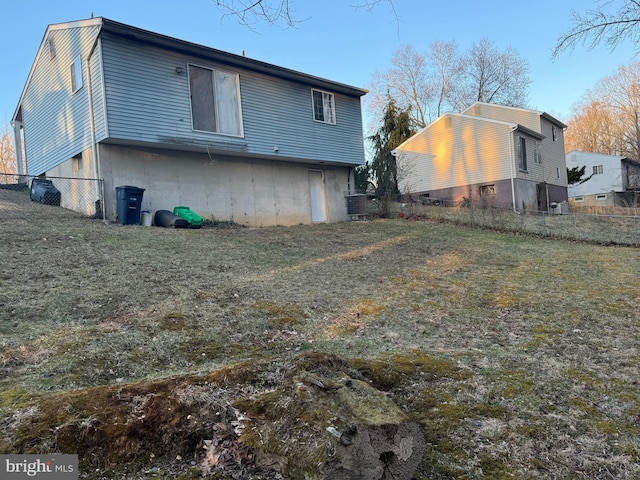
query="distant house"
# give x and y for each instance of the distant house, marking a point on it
(500, 156)
(608, 180)
(230, 137)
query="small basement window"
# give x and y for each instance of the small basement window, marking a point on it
(77, 164)
(602, 196)
(487, 190)
(578, 199)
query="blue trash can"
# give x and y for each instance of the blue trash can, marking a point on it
(129, 201)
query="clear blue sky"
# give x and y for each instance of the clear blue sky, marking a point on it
(334, 40)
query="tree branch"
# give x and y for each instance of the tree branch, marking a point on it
(597, 26)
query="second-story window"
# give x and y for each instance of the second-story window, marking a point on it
(554, 134)
(76, 75)
(215, 101)
(521, 147)
(324, 108)
(537, 153)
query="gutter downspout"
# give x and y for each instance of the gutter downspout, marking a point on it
(511, 161)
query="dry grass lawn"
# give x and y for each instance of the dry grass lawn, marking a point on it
(517, 355)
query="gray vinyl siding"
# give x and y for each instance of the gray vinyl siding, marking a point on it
(97, 94)
(147, 101)
(553, 155)
(56, 120)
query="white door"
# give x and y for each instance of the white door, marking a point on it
(316, 193)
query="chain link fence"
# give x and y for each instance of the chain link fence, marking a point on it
(620, 226)
(82, 195)
(615, 225)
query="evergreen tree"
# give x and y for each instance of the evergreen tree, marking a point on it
(574, 175)
(396, 128)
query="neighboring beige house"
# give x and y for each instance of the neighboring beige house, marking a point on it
(609, 180)
(501, 156)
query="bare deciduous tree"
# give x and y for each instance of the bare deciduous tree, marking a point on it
(275, 12)
(408, 83)
(597, 26)
(441, 80)
(7, 151)
(608, 119)
(493, 76)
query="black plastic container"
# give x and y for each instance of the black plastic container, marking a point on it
(43, 191)
(129, 202)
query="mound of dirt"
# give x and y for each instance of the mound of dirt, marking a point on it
(311, 417)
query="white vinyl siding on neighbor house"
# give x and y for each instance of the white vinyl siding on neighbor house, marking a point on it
(600, 180)
(521, 116)
(455, 150)
(215, 101)
(521, 152)
(76, 74)
(551, 153)
(324, 109)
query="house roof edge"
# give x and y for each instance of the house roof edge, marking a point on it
(229, 58)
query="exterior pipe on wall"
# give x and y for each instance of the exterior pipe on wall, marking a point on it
(511, 162)
(17, 141)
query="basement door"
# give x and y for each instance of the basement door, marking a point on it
(317, 196)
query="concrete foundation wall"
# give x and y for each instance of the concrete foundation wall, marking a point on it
(245, 191)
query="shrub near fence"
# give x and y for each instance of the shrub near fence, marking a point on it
(617, 229)
(82, 195)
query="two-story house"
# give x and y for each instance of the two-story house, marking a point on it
(231, 137)
(497, 155)
(609, 180)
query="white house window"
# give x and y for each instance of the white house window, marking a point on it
(578, 199)
(52, 48)
(521, 147)
(324, 108)
(76, 75)
(597, 169)
(537, 153)
(486, 190)
(554, 134)
(602, 196)
(215, 101)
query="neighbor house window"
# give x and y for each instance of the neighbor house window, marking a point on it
(52, 48)
(324, 108)
(537, 153)
(597, 169)
(487, 190)
(215, 101)
(602, 196)
(76, 75)
(578, 199)
(521, 147)
(554, 134)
